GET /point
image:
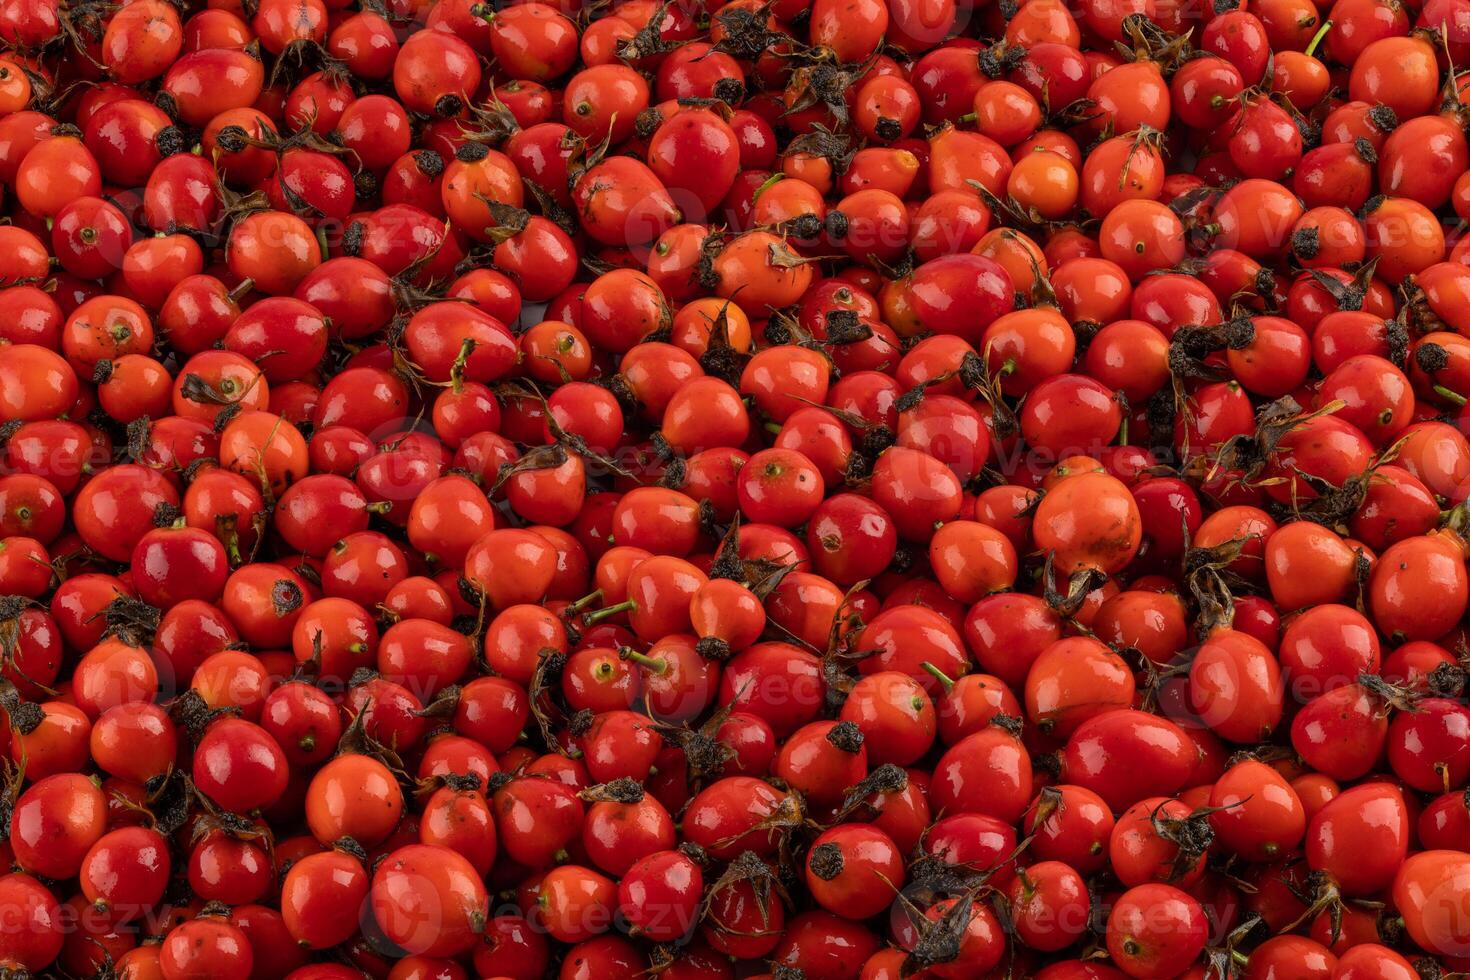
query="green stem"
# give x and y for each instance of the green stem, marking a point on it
(241, 291)
(456, 370)
(587, 600)
(769, 182)
(1317, 38)
(643, 660)
(1454, 397)
(607, 612)
(938, 675)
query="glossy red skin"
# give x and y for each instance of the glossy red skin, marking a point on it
(906, 637)
(1171, 938)
(234, 747)
(49, 843)
(512, 949)
(540, 817)
(1326, 647)
(850, 517)
(429, 870)
(660, 894)
(821, 761)
(1341, 733)
(207, 943)
(1261, 813)
(173, 565)
(824, 945)
(1444, 824)
(616, 835)
(738, 925)
(850, 539)
(774, 665)
(733, 808)
(1425, 751)
(988, 772)
(972, 841)
(316, 894)
(1140, 852)
(1370, 819)
(1071, 824)
(1051, 903)
(1236, 688)
(1107, 755)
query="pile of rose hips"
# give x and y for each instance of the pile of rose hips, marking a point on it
(815, 489)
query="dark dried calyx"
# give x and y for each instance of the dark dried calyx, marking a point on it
(1008, 723)
(713, 648)
(465, 782)
(1398, 342)
(1193, 835)
(365, 186)
(875, 440)
(888, 128)
(26, 716)
(192, 713)
(622, 790)
(472, 151)
(845, 327)
(729, 90)
(1383, 118)
(1431, 357)
(286, 597)
(675, 473)
(647, 122)
(941, 940)
(361, 676)
(1447, 681)
(825, 861)
(170, 141)
(846, 736)
(132, 620)
(349, 845)
(232, 139)
(1306, 242)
